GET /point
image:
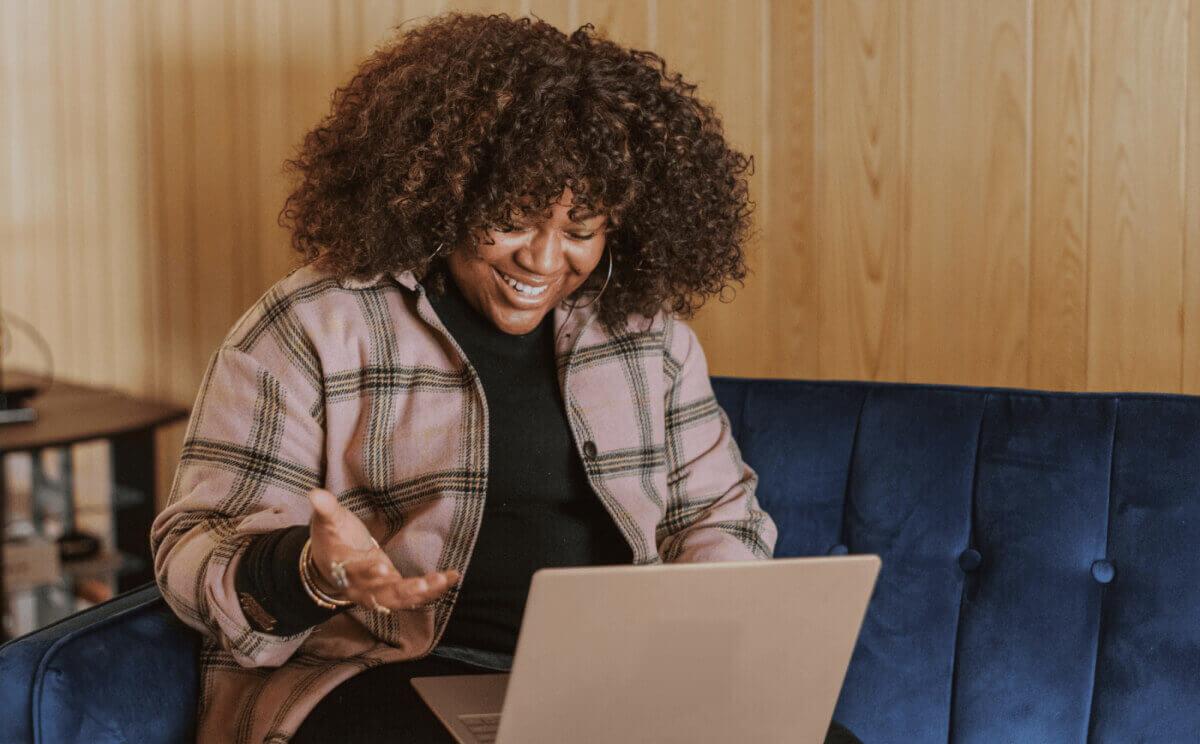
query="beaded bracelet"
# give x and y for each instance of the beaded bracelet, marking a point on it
(320, 597)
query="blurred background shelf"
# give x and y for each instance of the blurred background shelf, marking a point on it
(40, 496)
(81, 584)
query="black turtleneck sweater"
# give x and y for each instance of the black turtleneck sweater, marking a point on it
(539, 509)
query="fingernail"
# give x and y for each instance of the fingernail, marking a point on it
(380, 569)
(422, 585)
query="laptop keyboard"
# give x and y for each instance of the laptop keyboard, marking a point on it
(482, 725)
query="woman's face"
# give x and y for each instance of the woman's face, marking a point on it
(548, 260)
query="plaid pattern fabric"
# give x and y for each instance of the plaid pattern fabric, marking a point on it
(357, 387)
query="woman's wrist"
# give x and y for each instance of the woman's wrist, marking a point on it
(269, 574)
(314, 584)
(321, 582)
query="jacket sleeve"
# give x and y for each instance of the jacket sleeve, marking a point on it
(251, 454)
(269, 586)
(712, 513)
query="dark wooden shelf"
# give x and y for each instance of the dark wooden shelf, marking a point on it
(69, 413)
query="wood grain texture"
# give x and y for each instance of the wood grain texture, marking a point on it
(1059, 246)
(970, 192)
(790, 261)
(1135, 263)
(967, 299)
(860, 189)
(1190, 331)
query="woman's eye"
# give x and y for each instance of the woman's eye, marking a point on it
(521, 228)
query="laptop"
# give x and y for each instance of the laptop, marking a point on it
(664, 653)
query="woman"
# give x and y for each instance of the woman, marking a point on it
(480, 370)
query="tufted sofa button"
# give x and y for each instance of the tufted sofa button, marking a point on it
(1103, 571)
(969, 559)
(839, 549)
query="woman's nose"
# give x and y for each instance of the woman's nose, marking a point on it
(542, 255)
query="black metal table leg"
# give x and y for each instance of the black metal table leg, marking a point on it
(133, 465)
(3, 533)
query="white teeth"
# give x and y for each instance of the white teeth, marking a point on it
(524, 289)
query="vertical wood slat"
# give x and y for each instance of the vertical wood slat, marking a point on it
(860, 190)
(626, 22)
(85, 245)
(12, 214)
(267, 115)
(1190, 331)
(64, 204)
(176, 166)
(128, 254)
(1135, 302)
(147, 76)
(967, 303)
(1058, 273)
(43, 181)
(790, 222)
(214, 240)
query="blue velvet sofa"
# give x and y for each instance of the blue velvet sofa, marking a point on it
(1040, 581)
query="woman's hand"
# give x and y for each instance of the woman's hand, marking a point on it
(372, 579)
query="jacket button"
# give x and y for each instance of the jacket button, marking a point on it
(589, 449)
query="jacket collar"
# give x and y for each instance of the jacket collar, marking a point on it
(577, 322)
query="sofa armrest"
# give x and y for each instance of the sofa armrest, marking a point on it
(124, 670)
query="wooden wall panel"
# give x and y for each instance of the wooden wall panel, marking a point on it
(967, 297)
(964, 191)
(1135, 286)
(789, 198)
(130, 255)
(861, 189)
(1190, 326)
(631, 22)
(1058, 242)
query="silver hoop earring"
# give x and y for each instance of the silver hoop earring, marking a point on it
(435, 253)
(602, 287)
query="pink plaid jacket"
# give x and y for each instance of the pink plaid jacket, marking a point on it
(356, 386)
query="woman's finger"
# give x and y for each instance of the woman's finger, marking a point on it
(407, 593)
(335, 527)
(324, 503)
(392, 590)
(327, 512)
(435, 581)
(371, 567)
(421, 589)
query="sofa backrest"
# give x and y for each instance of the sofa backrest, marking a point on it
(124, 670)
(1039, 580)
(1041, 577)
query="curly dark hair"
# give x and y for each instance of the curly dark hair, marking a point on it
(468, 121)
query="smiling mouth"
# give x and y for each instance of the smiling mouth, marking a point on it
(525, 291)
